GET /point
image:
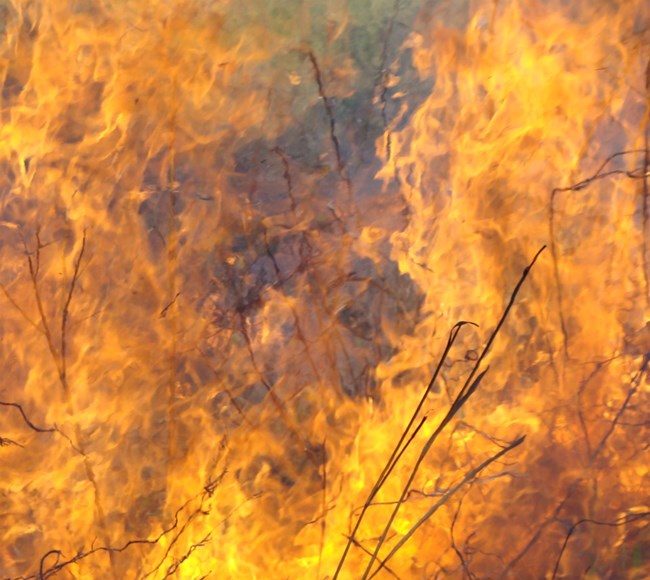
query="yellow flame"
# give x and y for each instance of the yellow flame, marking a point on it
(218, 316)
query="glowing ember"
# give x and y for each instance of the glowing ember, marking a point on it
(235, 239)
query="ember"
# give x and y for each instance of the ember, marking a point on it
(330, 289)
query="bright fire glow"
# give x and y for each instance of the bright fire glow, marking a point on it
(234, 238)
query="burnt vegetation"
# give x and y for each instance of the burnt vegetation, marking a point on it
(292, 303)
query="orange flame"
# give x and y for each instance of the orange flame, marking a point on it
(234, 240)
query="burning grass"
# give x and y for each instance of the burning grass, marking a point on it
(234, 239)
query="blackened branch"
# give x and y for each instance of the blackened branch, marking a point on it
(34, 268)
(171, 303)
(44, 573)
(580, 394)
(554, 517)
(6, 442)
(383, 76)
(176, 536)
(26, 419)
(329, 111)
(229, 394)
(537, 534)
(277, 402)
(34, 263)
(287, 176)
(602, 172)
(41, 564)
(66, 311)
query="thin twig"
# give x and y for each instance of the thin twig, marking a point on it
(287, 176)
(164, 311)
(6, 442)
(26, 418)
(465, 393)
(600, 173)
(202, 496)
(400, 447)
(41, 565)
(66, 309)
(34, 268)
(538, 534)
(358, 544)
(278, 403)
(626, 519)
(231, 397)
(176, 565)
(17, 306)
(581, 416)
(646, 190)
(383, 75)
(555, 255)
(60, 360)
(632, 390)
(329, 111)
(469, 476)
(456, 549)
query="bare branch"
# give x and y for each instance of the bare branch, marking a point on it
(600, 173)
(34, 268)
(329, 111)
(287, 176)
(6, 442)
(633, 389)
(359, 545)
(465, 393)
(401, 445)
(381, 83)
(66, 309)
(26, 418)
(538, 533)
(469, 476)
(626, 519)
(646, 191)
(19, 308)
(206, 492)
(164, 311)
(456, 549)
(176, 565)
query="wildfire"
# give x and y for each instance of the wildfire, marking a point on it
(239, 239)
